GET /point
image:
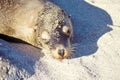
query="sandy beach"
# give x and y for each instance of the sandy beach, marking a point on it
(96, 25)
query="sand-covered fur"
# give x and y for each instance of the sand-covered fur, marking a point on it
(33, 20)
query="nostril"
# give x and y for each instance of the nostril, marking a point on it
(61, 52)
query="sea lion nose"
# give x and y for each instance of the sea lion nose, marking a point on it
(61, 52)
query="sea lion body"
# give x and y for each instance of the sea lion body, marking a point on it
(18, 18)
(39, 23)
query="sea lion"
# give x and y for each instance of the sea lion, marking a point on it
(39, 23)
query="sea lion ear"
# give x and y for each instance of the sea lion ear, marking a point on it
(45, 36)
(69, 16)
(63, 12)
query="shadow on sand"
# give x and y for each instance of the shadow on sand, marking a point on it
(89, 24)
(22, 56)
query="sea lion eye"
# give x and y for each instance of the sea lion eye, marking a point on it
(66, 30)
(45, 36)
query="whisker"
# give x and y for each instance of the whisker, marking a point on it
(73, 50)
(73, 47)
(76, 44)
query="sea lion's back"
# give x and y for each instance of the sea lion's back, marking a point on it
(19, 16)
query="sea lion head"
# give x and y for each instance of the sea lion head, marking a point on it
(55, 31)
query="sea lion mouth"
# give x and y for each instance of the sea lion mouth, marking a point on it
(60, 52)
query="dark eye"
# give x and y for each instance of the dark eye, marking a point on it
(45, 36)
(66, 30)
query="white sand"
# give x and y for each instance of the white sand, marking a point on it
(98, 55)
